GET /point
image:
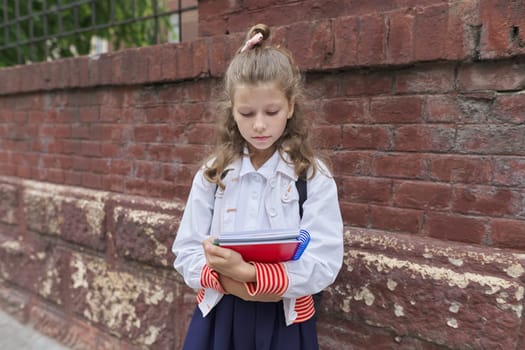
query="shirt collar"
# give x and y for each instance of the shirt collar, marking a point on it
(267, 169)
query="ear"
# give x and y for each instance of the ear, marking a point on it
(291, 106)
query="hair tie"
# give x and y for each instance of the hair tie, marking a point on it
(254, 40)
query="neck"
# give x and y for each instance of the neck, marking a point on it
(258, 158)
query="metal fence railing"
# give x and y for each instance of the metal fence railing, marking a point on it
(39, 30)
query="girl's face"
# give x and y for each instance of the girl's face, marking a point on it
(261, 112)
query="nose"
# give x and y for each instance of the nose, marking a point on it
(259, 123)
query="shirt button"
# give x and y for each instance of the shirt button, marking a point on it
(272, 212)
(256, 178)
(272, 183)
(255, 195)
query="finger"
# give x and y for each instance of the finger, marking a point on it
(217, 251)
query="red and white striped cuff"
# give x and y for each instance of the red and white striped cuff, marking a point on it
(210, 279)
(270, 279)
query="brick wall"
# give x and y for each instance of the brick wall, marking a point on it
(420, 105)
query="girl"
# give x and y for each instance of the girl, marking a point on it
(249, 183)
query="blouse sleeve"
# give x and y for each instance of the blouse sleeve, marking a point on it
(193, 229)
(321, 261)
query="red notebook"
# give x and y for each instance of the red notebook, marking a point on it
(266, 246)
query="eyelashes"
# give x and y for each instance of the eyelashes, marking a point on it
(251, 114)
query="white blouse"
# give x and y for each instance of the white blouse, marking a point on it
(259, 199)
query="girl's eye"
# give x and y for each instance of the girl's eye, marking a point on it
(272, 112)
(249, 114)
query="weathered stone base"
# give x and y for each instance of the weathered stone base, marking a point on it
(93, 270)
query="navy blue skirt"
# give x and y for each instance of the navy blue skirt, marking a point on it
(235, 324)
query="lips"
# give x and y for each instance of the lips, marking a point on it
(261, 138)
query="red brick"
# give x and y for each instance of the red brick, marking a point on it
(90, 148)
(491, 139)
(184, 61)
(121, 166)
(326, 136)
(455, 228)
(431, 79)
(176, 173)
(115, 114)
(80, 131)
(55, 176)
(107, 132)
(422, 138)
(366, 137)
(135, 151)
(507, 233)
(366, 190)
(189, 154)
(344, 111)
(346, 31)
(398, 165)
(465, 169)
(145, 133)
(395, 219)
(484, 200)
(372, 32)
(355, 214)
(396, 109)
(91, 180)
(186, 113)
(199, 50)
(105, 68)
(492, 75)
(72, 178)
(499, 20)
(422, 195)
(509, 171)
(466, 109)
(199, 91)
(430, 30)
(311, 43)
(113, 183)
(154, 62)
(217, 56)
(99, 165)
(401, 37)
(88, 114)
(201, 134)
(110, 150)
(80, 163)
(57, 131)
(160, 152)
(171, 133)
(439, 33)
(366, 83)
(510, 108)
(47, 321)
(168, 58)
(352, 163)
(157, 114)
(147, 170)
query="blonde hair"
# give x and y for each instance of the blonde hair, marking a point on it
(262, 64)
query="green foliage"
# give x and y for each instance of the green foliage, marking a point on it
(69, 26)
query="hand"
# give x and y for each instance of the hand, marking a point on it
(238, 289)
(228, 262)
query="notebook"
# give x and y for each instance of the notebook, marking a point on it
(267, 246)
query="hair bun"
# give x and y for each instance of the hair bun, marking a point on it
(259, 28)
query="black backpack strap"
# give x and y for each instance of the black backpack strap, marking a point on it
(223, 175)
(300, 184)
